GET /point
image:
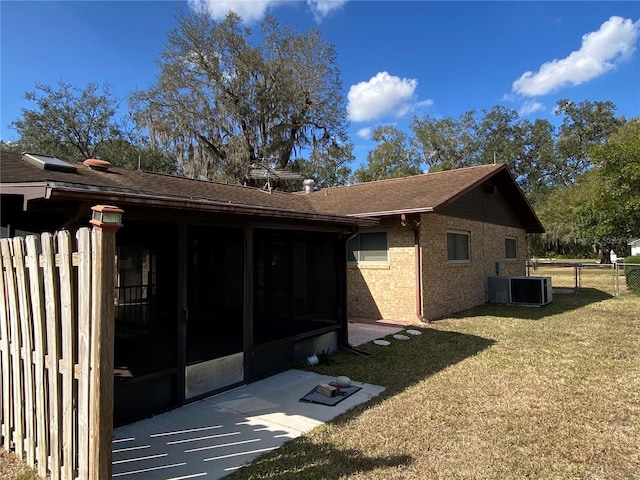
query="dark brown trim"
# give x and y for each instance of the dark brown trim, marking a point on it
(28, 191)
(248, 302)
(418, 270)
(201, 205)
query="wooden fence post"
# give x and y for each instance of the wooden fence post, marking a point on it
(106, 221)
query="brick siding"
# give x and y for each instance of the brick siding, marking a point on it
(385, 291)
(388, 291)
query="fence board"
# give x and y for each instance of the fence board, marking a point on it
(6, 376)
(84, 337)
(14, 348)
(56, 410)
(35, 281)
(24, 307)
(67, 361)
(53, 343)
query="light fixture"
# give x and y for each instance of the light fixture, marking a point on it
(106, 217)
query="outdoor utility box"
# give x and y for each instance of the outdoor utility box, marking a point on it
(531, 290)
(499, 289)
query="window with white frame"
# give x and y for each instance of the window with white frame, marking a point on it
(458, 250)
(511, 248)
(368, 247)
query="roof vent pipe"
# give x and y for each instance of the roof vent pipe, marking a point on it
(308, 185)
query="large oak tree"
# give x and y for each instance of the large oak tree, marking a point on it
(225, 101)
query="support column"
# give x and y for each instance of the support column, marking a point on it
(106, 222)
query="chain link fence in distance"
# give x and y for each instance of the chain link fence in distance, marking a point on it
(577, 277)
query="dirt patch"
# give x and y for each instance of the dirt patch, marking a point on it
(12, 468)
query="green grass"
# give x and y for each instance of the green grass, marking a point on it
(497, 392)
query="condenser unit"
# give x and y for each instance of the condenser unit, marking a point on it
(531, 290)
(499, 289)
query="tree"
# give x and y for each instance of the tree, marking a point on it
(15, 147)
(612, 215)
(559, 212)
(600, 209)
(330, 167)
(392, 157)
(446, 143)
(137, 156)
(224, 104)
(76, 124)
(496, 135)
(584, 125)
(499, 135)
(534, 168)
(68, 122)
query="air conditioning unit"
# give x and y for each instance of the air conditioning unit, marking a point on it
(499, 289)
(531, 290)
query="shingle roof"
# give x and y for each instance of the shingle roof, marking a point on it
(421, 193)
(155, 189)
(429, 192)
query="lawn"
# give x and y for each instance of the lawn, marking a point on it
(499, 392)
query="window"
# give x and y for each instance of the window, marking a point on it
(458, 247)
(510, 248)
(370, 247)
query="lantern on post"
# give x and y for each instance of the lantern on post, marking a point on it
(106, 217)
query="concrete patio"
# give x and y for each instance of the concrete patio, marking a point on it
(219, 434)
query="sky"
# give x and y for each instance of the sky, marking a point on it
(397, 59)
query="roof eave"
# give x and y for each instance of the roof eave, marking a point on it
(199, 204)
(388, 213)
(28, 191)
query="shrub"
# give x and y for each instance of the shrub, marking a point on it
(632, 273)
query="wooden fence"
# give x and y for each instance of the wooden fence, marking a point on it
(56, 352)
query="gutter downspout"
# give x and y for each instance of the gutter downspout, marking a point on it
(343, 339)
(418, 270)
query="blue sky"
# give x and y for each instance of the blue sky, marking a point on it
(397, 59)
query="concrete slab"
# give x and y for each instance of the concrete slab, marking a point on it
(217, 435)
(360, 333)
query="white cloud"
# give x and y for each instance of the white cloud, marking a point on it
(382, 95)
(424, 103)
(254, 10)
(530, 107)
(322, 8)
(249, 10)
(600, 52)
(364, 133)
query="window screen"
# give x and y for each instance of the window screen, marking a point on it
(458, 246)
(368, 247)
(510, 248)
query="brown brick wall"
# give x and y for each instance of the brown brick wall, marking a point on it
(388, 291)
(451, 287)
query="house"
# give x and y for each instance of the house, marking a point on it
(439, 237)
(218, 285)
(635, 246)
